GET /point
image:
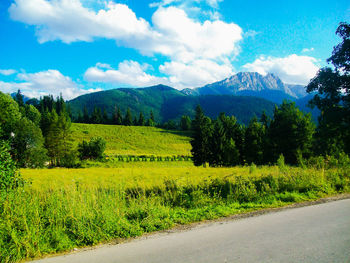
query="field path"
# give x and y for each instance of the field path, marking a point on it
(318, 233)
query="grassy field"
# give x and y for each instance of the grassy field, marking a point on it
(135, 140)
(66, 208)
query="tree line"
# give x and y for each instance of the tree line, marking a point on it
(99, 116)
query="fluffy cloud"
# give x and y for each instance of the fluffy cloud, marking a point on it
(195, 74)
(7, 72)
(45, 83)
(185, 39)
(128, 73)
(70, 21)
(173, 33)
(292, 69)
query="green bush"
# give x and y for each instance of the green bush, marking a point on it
(9, 176)
(93, 149)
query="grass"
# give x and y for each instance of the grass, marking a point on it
(66, 208)
(135, 140)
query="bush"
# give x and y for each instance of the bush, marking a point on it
(9, 177)
(93, 149)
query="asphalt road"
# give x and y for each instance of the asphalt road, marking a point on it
(318, 233)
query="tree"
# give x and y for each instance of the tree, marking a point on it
(128, 118)
(86, 117)
(185, 123)
(96, 116)
(290, 133)
(9, 176)
(202, 131)
(151, 122)
(141, 121)
(254, 142)
(333, 98)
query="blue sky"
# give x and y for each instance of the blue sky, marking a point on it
(79, 46)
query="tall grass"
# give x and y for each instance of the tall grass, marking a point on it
(63, 209)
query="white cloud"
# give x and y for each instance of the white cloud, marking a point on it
(45, 83)
(305, 50)
(195, 74)
(185, 39)
(7, 72)
(128, 73)
(70, 21)
(173, 34)
(292, 69)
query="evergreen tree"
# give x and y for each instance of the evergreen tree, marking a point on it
(290, 133)
(119, 120)
(135, 122)
(96, 116)
(19, 99)
(202, 131)
(185, 123)
(128, 118)
(151, 122)
(141, 121)
(105, 119)
(86, 117)
(254, 142)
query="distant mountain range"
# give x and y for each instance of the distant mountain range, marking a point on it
(244, 95)
(268, 87)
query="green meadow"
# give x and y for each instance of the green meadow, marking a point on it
(60, 209)
(135, 140)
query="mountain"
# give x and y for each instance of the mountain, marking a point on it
(251, 84)
(25, 98)
(170, 104)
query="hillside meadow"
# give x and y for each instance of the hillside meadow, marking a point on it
(135, 140)
(61, 209)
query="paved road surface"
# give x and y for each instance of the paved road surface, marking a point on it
(319, 233)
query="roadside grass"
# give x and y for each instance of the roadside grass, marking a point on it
(135, 140)
(66, 208)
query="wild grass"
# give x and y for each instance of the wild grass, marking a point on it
(135, 140)
(66, 208)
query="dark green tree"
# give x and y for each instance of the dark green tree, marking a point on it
(141, 121)
(255, 135)
(151, 122)
(86, 117)
(333, 98)
(290, 133)
(202, 132)
(96, 116)
(185, 123)
(127, 121)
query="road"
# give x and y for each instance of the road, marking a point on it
(318, 233)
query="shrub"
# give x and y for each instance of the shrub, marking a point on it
(9, 177)
(93, 149)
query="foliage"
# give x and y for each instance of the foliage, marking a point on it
(254, 142)
(185, 123)
(202, 130)
(93, 149)
(290, 133)
(333, 98)
(9, 176)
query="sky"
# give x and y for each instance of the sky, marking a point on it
(74, 47)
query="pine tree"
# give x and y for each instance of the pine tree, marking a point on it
(86, 117)
(254, 142)
(185, 123)
(128, 118)
(141, 121)
(202, 131)
(96, 116)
